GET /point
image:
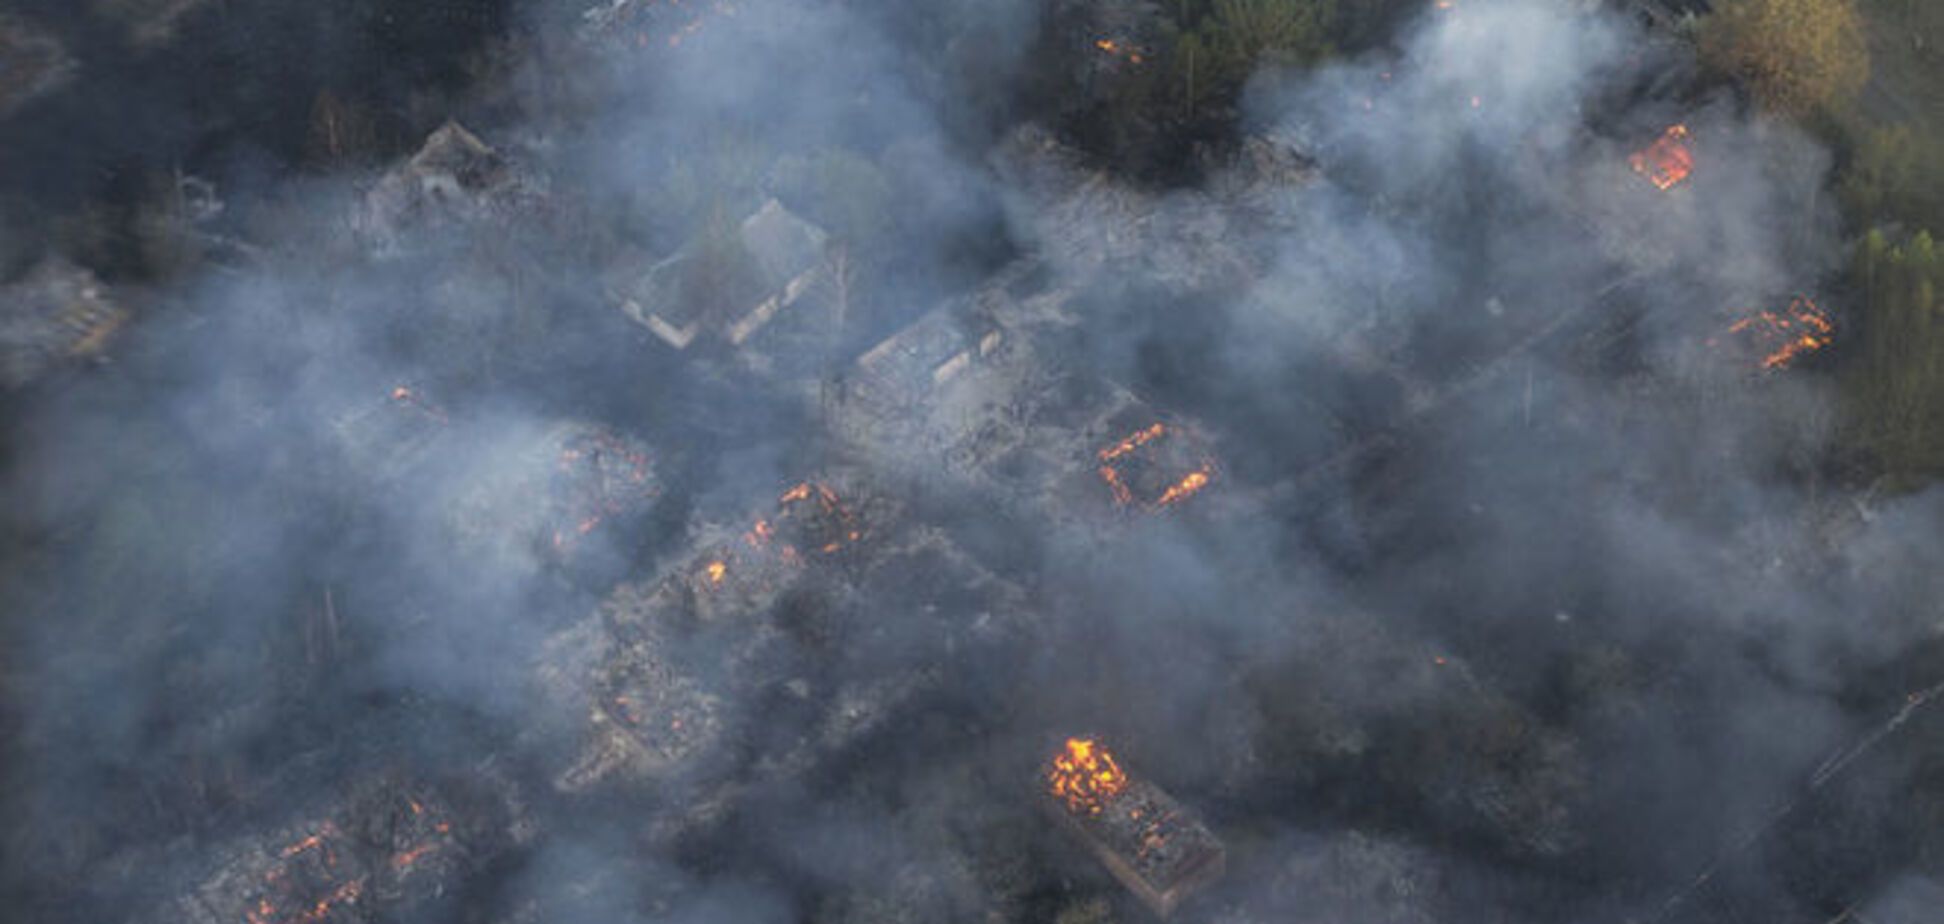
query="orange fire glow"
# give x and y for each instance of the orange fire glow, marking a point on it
(1186, 487)
(1783, 336)
(602, 476)
(1133, 442)
(1667, 161)
(1085, 776)
(278, 904)
(1118, 50)
(405, 859)
(716, 570)
(1179, 490)
(266, 912)
(407, 396)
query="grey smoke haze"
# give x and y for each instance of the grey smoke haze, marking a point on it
(1617, 578)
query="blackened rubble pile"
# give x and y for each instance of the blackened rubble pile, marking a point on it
(1188, 242)
(454, 179)
(783, 614)
(552, 494)
(395, 843)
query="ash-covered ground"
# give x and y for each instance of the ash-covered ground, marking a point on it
(671, 460)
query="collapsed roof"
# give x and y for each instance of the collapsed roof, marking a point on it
(454, 177)
(729, 289)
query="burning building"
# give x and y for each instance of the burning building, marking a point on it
(393, 844)
(656, 711)
(727, 289)
(829, 607)
(57, 313)
(1147, 840)
(1155, 466)
(1666, 162)
(1777, 338)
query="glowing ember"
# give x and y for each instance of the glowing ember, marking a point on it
(716, 571)
(405, 396)
(305, 886)
(599, 475)
(405, 859)
(1667, 161)
(1118, 50)
(1783, 336)
(1085, 776)
(808, 516)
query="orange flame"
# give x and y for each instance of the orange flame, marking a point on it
(1132, 443)
(1085, 776)
(717, 570)
(277, 883)
(1801, 328)
(1186, 487)
(1182, 489)
(410, 397)
(1118, 50)
(1667, 161)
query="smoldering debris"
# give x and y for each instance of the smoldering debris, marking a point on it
(721, 464)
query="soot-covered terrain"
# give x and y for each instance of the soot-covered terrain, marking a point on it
(824, 460)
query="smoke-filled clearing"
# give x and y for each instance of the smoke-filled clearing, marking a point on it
(753, 461)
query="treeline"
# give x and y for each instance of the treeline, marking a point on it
(1151, 87)
(1895, 381)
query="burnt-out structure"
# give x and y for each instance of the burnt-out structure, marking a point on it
(978, 394)
(547, 490)
(1150, 843)
(454, 179)
(558, 491)
(832, 606)
(394, 842)
(727, 287)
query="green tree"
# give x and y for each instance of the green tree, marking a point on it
(1220, 43)
(1895, 386)
(1895, 174)
(1797, 56)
